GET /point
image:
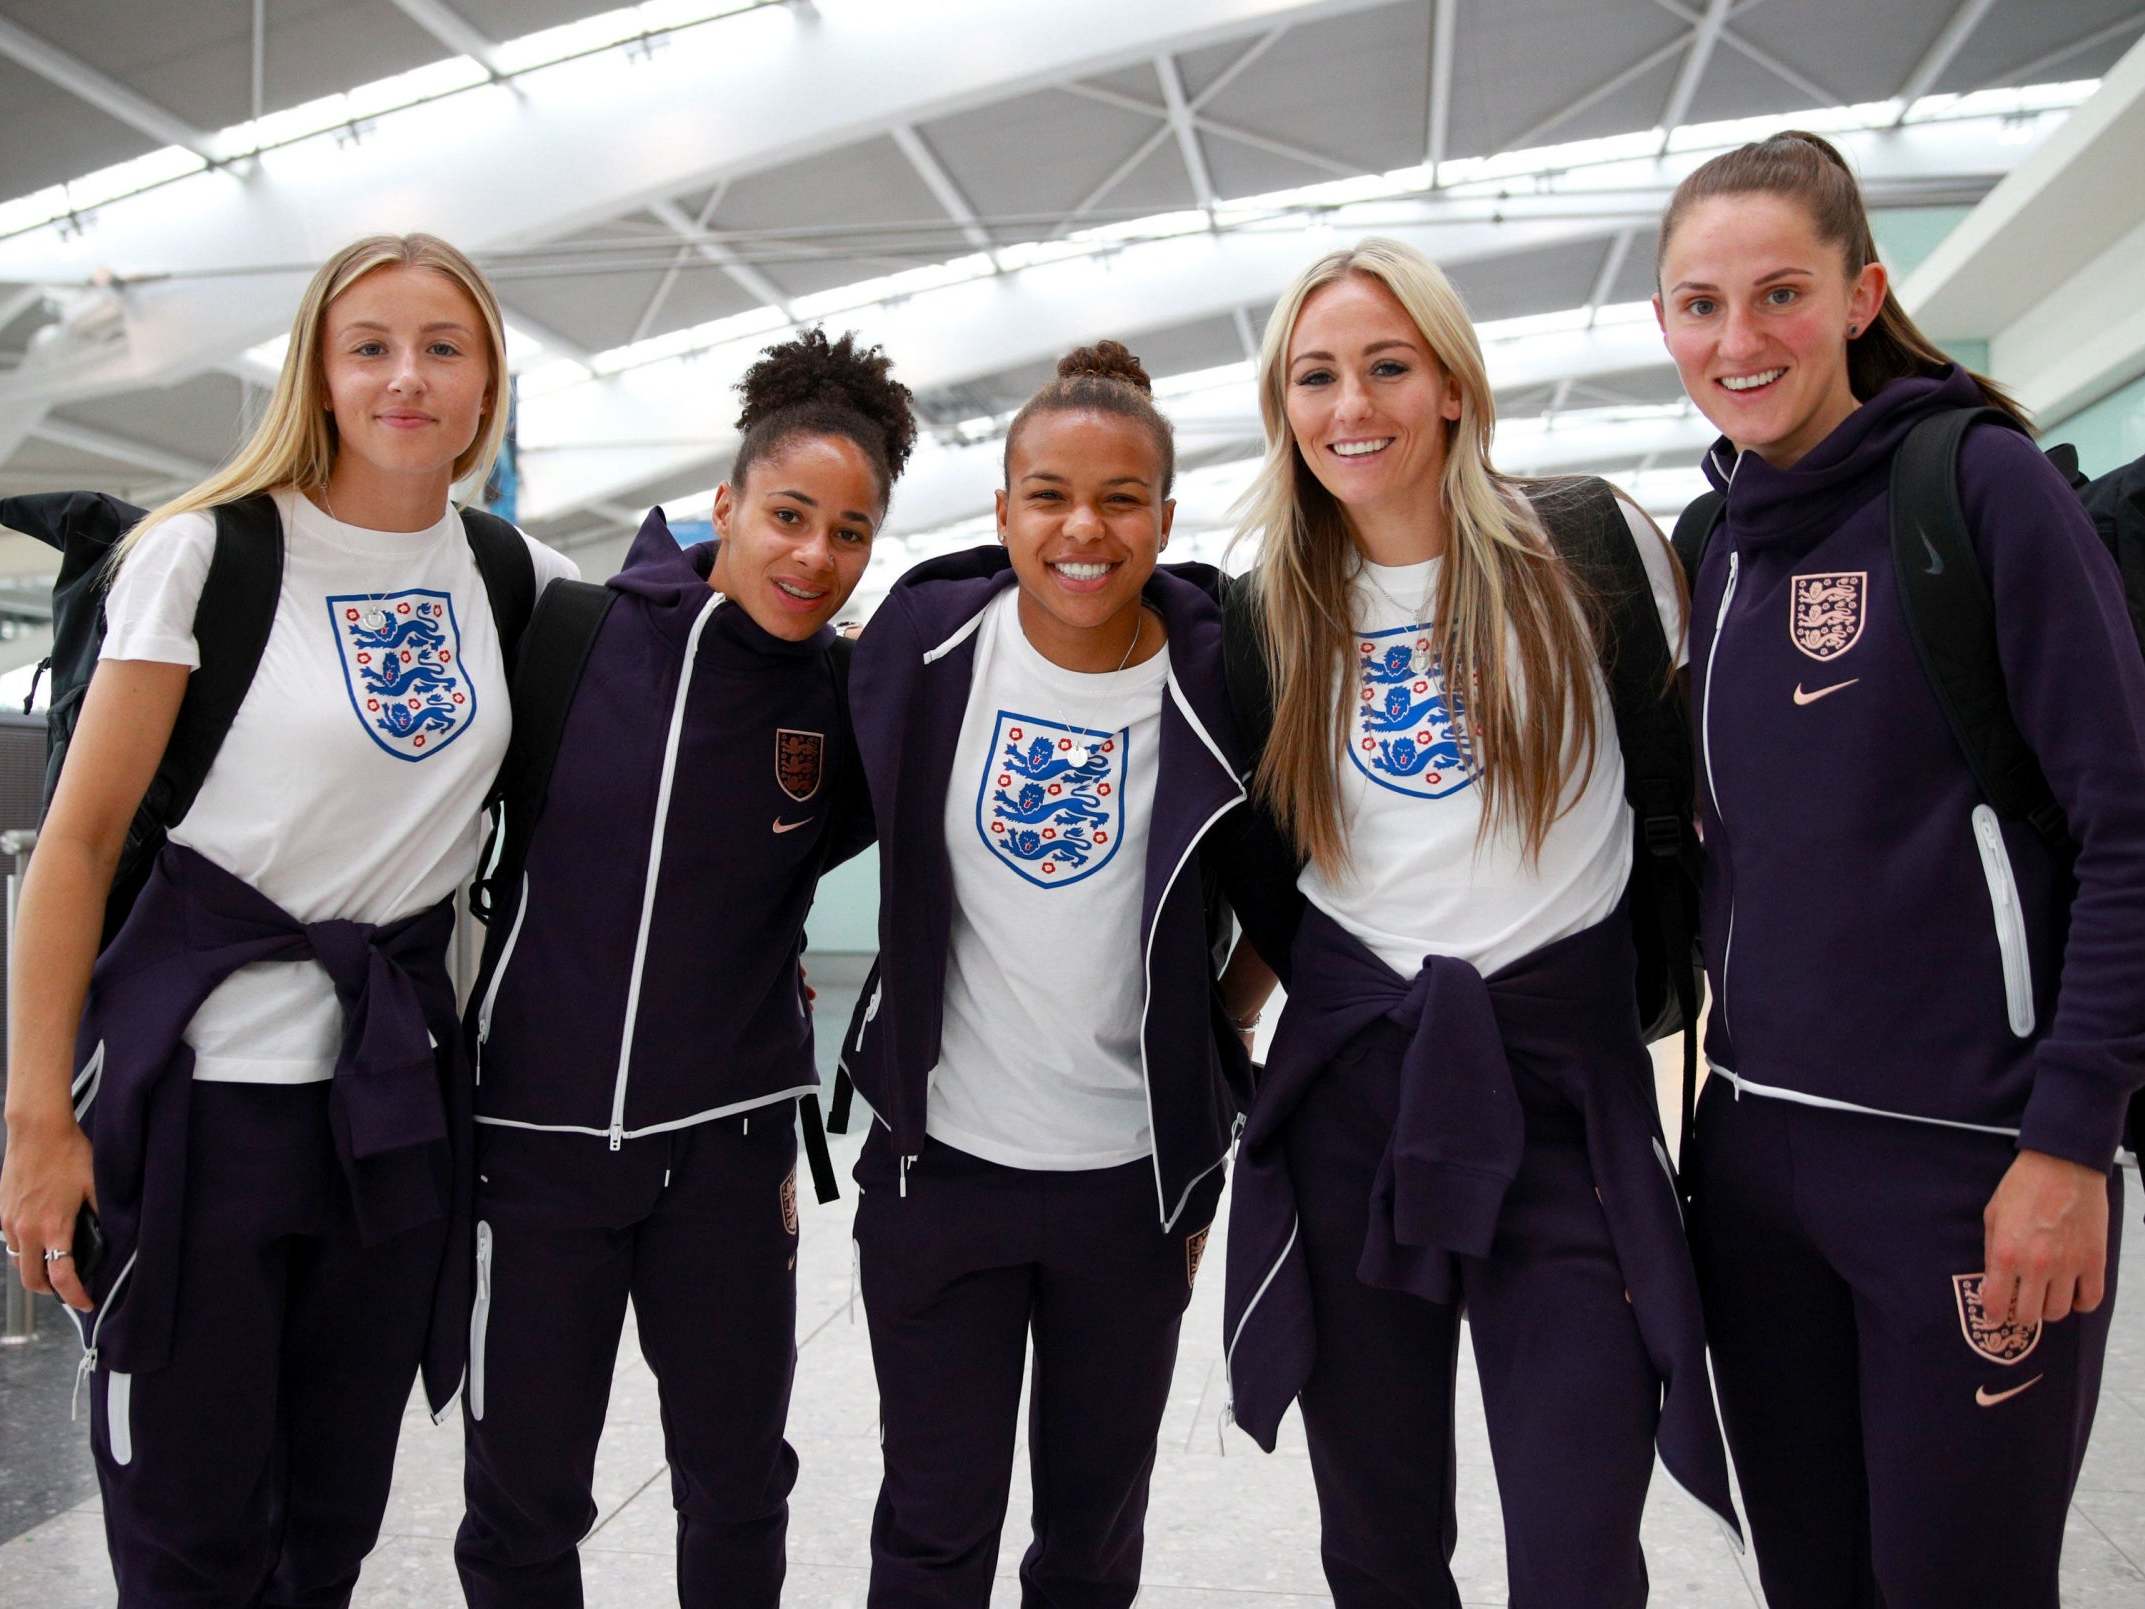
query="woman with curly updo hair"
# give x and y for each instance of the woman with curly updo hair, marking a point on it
(1053, 1087)
(642, 1035)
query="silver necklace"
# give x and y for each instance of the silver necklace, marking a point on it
(375, 617)
(1420, 658)
(1082, 753)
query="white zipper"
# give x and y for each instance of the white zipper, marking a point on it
(1228, 1358)
(2010, 921)
(655, 867)
(491, 990)
(480, 1316)
(1705, 742)
(1184, 708)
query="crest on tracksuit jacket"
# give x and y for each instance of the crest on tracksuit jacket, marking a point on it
(1050, 805)
(1406, 734)
(401, 655)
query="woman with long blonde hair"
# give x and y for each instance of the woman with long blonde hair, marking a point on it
(1457, 1107)
(255, 1093)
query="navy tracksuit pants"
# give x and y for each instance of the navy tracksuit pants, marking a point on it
(699, 1228)
(1893, 1449)
(252, 1470)
(1567, 1387)
(958, 1276)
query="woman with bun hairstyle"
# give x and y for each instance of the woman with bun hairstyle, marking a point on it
(1457, 1107)
(268, 1104)
(1927, 1019)
(643, 1037)
(1052, 1086)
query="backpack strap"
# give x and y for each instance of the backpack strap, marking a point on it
(1243, 660)
(1588, 528)
(509, 573)
(231, 625)
(561, 630)
(1695, 526)
(1951, 619)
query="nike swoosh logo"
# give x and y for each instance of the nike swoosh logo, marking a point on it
(1936, 559)
(1823, 692)
(791, 826)
(1988, 1399)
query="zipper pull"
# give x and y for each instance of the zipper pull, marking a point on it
(82, 1372)
(905, 1161)
(484, 1262)
(871, 1010)
(618, 1135)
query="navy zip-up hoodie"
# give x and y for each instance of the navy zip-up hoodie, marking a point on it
(1874, 935)
(648, 976)
(909, 692)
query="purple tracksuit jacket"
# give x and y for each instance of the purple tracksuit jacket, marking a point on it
(909, 692)
(706, 767)
(398, 1106)
(1875, 936)
(1562, 1013)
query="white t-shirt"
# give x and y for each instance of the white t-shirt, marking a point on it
(1418, 883)
(1039, 1054)
(352, 778)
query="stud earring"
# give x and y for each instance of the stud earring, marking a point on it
(1853, 330)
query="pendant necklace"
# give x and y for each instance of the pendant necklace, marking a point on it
(372, 619)
(1420, 658)
(1082, 754)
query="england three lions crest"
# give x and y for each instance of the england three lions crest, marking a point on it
(1826, 612)
(1051, 802)
(1999, 1341)
(798, 759)
(1406, 733)
(401, 654)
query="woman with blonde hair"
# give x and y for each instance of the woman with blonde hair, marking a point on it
(265, 1101)
(1457, 1108)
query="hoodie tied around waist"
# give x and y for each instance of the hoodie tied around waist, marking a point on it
(398, 1107)
(1564, 1017)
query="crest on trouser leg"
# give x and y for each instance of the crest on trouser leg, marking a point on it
(1195, 1247)
(789, 1201)
(2005, 1342)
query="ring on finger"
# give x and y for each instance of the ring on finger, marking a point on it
(54, 1254)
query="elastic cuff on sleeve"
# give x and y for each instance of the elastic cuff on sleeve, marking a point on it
(2071, 1114)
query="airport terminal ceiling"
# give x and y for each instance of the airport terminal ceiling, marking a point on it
(659, 190)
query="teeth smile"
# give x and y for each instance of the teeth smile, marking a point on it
(1082, 572)
(1750, 382)
(802, 593)
(1359, 449)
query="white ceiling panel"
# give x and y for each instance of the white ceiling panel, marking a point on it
(1355, 89)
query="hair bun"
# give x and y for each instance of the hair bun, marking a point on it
(1106, 360)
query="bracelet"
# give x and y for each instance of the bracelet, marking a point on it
(1249, 1021)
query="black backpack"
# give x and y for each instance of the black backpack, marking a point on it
(1587, 527)
(1951, 615)
(231, 625)
(562, 630)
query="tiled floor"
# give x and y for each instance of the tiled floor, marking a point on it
(1229, 1527)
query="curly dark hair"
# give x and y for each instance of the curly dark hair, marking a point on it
(810, 386)
(1104, 378)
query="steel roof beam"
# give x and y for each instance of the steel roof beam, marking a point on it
(742, 274)
(106, 94)
(942, 186)
(454, 31)
(1180, 123)
(1444, 23)
(1937, 57)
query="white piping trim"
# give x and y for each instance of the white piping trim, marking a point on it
(88, 1081)
(2010, 921)
(1827, 1103)
(480, 1314)
(1221, 1161)
(655, 864)
(119, 1416)
(1228, 1358)
(1184, 708)
(1161, 1201)
(713, 1114)
(491, 990)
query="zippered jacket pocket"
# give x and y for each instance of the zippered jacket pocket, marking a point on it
(498, 977)
(2010, 921)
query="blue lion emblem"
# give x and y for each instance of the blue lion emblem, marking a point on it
(1051, 800)
(402, 667)
(1409, 731)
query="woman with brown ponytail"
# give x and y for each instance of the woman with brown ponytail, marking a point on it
(1927, 1019)
(1052, 1085)
(1457, 1107)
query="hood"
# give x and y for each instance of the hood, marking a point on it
(673, 581)
(1840, 473)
